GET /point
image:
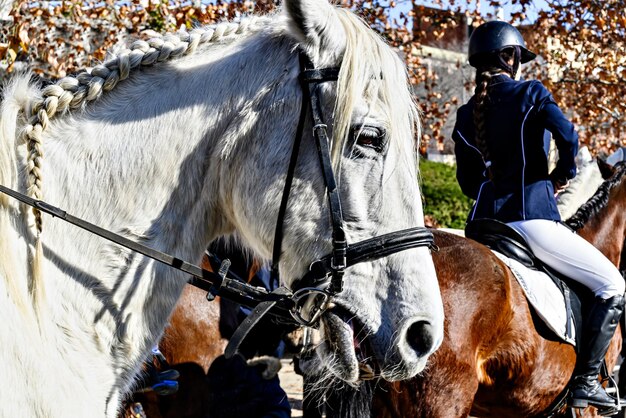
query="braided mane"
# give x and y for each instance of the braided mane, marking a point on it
(598, 201)
(75, 92)
(71, 93)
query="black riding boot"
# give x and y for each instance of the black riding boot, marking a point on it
(601, 323)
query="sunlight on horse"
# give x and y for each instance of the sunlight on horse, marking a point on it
(580, 189)
(493, 362)
(177, 141)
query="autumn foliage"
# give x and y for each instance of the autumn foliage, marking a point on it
(582, 46)
(585, 66)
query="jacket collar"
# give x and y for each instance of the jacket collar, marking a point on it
(501, 78)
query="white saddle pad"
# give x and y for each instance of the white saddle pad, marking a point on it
(544, 296)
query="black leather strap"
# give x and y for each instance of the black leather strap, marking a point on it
(227, 284)
(199, 274)
(310, 74)
(322, 141)
(369, 250)
(295, 151)
(251, 320)
(318, 75)
(310, 78)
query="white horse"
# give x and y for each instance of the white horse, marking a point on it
(176, 142)
(582, 187)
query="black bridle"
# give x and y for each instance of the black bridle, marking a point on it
(304, 306)
(325, 276)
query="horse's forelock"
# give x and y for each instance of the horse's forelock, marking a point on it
(368, 58)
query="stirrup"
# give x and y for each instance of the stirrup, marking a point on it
(609, 411)
(584, 403)
(604, 409)
(611, 390)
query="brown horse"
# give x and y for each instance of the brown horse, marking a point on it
(493, 362)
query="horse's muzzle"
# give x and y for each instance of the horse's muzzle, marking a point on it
(416, 341)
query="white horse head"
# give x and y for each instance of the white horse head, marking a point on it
(179, 153)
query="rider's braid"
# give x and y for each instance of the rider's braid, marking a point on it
(505, 61)
(483, 78)
(74, 92)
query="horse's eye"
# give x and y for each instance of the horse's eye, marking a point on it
(371, 137)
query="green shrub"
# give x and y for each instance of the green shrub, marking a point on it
(442, 196)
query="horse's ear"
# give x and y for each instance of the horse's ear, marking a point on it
(606, 169)
(316, 25)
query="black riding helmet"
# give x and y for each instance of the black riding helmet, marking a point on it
(495, 36)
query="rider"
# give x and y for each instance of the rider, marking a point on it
(501, 146)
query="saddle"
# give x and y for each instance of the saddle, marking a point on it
(503, 239)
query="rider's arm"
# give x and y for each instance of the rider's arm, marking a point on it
(564, 134)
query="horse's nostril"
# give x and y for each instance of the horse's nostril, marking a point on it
(420, 337)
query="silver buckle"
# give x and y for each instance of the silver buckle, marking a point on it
(310, 303)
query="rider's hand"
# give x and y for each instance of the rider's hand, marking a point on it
(559, 186)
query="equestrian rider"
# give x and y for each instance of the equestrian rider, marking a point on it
(501, 146)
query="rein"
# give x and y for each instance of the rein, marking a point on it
(223, 283)
(306, 305)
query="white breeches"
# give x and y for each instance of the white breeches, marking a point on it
(569, 254)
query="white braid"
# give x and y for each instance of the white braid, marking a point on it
(74, 92)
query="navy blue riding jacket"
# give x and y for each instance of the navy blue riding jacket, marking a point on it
(518, 115)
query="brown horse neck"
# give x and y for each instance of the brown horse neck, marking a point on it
(606, 230)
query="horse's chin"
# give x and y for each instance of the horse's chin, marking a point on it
(339, 351)
(343, 353)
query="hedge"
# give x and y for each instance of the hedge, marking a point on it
(442, 196)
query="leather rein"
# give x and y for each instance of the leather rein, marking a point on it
(304, 306)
